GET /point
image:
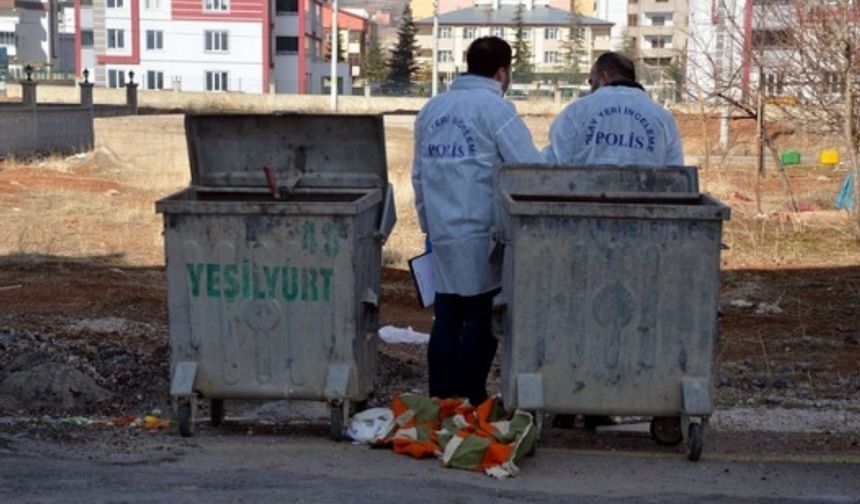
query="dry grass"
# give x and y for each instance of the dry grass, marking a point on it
(103, 204)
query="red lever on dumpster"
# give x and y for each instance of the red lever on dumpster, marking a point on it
(273, 183)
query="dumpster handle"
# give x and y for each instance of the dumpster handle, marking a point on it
(273, 183)
(279, 192)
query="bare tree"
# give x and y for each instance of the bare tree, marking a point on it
(800, 58)
(822, 69)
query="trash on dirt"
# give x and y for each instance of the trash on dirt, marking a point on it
(126, 421)
(740, 303)
(736, 196)
(10, 287)
(823, 178)
(371, 426)
(391, 334)
(461, 435)
(104, 325)
(768, 309)
(153, 423)
(78, 420)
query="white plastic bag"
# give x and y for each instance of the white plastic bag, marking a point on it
(371, 425)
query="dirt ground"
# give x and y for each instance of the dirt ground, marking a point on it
(83, 320)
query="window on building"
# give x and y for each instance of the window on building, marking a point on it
(116, 78)
(662, 1)
(526, 33)
(629, 1)
(154, 39)
(771, 38)
(657, 62)
(550, 57)
(660, 42)
(152, 4)
(832, 83)
(658, 20)
(216, 81)
(470, 32)
(498, 31)
(86, 3)
(286, 45)
(632, 20)
(217, 41)
(154, 80)
(446, 57)
(287, 6)
(8, 38)
(445, 32)
(87, 38)
(550, 33)
(115, 39)
(774, 84)
(115, 4)
(464, 57)
(216, 5)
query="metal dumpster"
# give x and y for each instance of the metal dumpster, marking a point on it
(611, 280)
(273, 279)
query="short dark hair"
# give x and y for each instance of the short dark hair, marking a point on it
(487, 55)
(616, 65)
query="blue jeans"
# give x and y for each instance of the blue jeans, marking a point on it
(462, 346)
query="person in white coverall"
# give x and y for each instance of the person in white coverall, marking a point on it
(462, 137)
(617, 124)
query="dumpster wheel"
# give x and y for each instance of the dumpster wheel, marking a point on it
(666, 430)
(184, 419)
(216, 412)
(339, 409)
(694, 442)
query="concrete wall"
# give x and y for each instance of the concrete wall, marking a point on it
(239, 102)
(23, 131)
(164, 154)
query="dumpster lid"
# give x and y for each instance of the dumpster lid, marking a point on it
(560, 180)
(304, 150)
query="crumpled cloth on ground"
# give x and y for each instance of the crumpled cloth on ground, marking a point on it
(461, 435)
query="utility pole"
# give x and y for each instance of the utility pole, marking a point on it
(726, 71)
(435, 73)
(759, 176)
(334, 53)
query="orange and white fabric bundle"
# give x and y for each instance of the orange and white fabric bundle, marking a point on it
(463, 436)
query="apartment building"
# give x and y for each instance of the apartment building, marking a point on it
(39, 33)
(356, 30)
(424, 8)
(8, 37)
(546, 28)
(658, 30)
(250, 46)
(714, 47)
(654, 30)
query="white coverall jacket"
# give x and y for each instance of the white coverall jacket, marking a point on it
(462, 137)
(615, 125)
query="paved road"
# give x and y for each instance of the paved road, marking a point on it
(214, 468)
